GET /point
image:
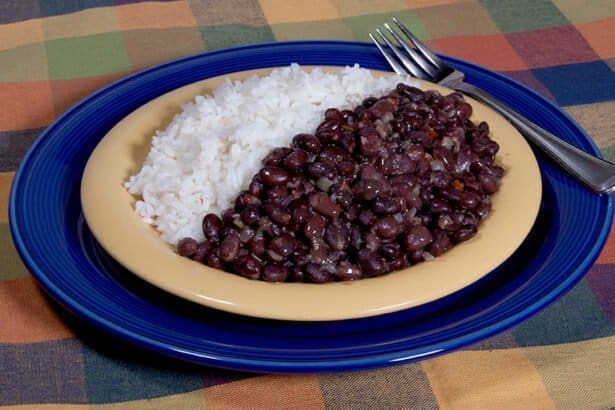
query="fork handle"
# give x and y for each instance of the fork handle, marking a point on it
(595, 173)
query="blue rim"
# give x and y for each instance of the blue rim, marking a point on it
(57, 247)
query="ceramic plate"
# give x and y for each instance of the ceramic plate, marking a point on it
(109, 213)
(55, 243)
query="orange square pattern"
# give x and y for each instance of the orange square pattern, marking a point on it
(28, 105)
(601, 36)
(26, 315)
(155, 15)
(66, 93)
(283, 11)
(267, 392)
(490, 51)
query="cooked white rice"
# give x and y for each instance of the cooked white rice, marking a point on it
(211, 150)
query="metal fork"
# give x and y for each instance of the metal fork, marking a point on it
(419, 61)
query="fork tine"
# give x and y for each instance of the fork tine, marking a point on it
(419, 45)
(425, 64)
(414, 69)
(398, 68)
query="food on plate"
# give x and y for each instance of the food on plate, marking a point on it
(370, 188)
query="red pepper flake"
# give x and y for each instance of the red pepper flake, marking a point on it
(431, 134)
(457, 185)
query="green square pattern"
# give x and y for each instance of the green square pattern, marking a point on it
(12, 266)
(348, 8)
(579, 11)
(331, 29)
(524, 15)
(575, 317)
(87, 56)
(361, 26)
(25, 63)
(230, 35)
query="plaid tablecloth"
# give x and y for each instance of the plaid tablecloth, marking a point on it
(53, 53)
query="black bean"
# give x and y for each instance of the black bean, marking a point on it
(348, 271)
(281, 247)
(212, 227)
(315, 273)
(229, 248)
(337, 236)
(187, 247)
(307, 142)
(272, 175)
(276, 156)
(274, 273)
(388, 227)
(295, 160)
(250, 215)
(324, 205)
(371, 263)
(464, 233)
(315, 227)
(248, 266)
(214, 261)
(418, 237)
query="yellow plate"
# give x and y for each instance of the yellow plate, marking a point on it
(109, 212)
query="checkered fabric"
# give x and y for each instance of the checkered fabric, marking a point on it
(54, 53)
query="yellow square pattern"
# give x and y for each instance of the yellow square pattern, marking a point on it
(498, 379)
(155, 16)
(21, 33)
(83, 23)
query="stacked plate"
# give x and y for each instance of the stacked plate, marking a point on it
(115, 273)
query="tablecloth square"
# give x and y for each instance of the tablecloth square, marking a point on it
(593, 82)
(527, 78)
(600, 34)
(524, 15)
(567, 366)
(348, 8)
(19, 10)
(6, 179)
(267, 392)
(600, 280)
(31, 105)
(13, 147)
(468, 18)
(54, 8)
(419, 4)
(282, 11)
(21, 33)
(552, 46)
(576, 316)
(115, 378)
(607, 256)
(490, 51)
(580, 11)
(26, 315)
(69, 92)
(87, 56)
(24, 63)
(361, 26)
(80, 24)
(146, 48)
(212, 12)
(49, 372)
(598, 121)
(12, 266)
(230, 35)
(155, 15)
(213, 376)
(193, 400)
(312, 30)
(610, 63)
(391, 388)
(503, 340)
(486, 380)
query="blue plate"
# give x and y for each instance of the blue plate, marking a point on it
(54, 241)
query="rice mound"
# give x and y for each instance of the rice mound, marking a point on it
(211, 150)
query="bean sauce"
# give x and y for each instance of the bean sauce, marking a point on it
(398, 180)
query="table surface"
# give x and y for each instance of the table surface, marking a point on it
(54, 53)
